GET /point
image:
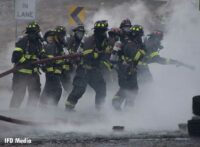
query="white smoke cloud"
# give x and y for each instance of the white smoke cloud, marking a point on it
(175, 87)
(137, 12)
(167, 101)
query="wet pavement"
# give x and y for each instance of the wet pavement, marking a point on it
(116, 139)
(55, 135)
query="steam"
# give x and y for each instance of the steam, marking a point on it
(161, 105)
(166, 102)
(137, 12)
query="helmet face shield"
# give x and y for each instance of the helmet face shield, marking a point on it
(125, 23)
(126, 29)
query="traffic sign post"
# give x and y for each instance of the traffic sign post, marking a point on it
(24, 10)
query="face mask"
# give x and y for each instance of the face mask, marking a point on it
(79, 35)
(62, 39)
(126, 30)
(100, 34)
(33, 36)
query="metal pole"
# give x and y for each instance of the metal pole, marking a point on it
(15, 21)
(16, 29)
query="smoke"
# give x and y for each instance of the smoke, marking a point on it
(166, 102)
(161, 105)
(176, 86)
(137, 12)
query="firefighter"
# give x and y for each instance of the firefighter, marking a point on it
(114, 35)
(27, 49)
(74, 45)
(74, 42)
(129, 56)
(53, 70)
(143, 72)
(125, 28)
(89, 70)
(153, 46)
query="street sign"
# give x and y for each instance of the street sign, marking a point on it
(25, 9)
(76, 15)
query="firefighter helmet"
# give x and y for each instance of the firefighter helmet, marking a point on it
(32, 27)
(79, 28)
(102, 24)
(60, 31)
(49, 33)
(125, 23)
(137, 30)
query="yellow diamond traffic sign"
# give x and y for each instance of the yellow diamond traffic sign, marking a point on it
(76, 15)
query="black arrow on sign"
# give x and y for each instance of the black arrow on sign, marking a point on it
(75, 13)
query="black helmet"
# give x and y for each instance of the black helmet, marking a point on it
(32, 27)
(49, 33)
(79, 32)
(125, 23)
(157, 34)
(137, 30)
(60, 30)
(80, 28)
(60, 33)
(101, 25)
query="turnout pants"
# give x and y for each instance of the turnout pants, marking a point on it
(52, 90)
(21, 82)
(94, 78)
(144, 74)
(128, 89)
(65, 80)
